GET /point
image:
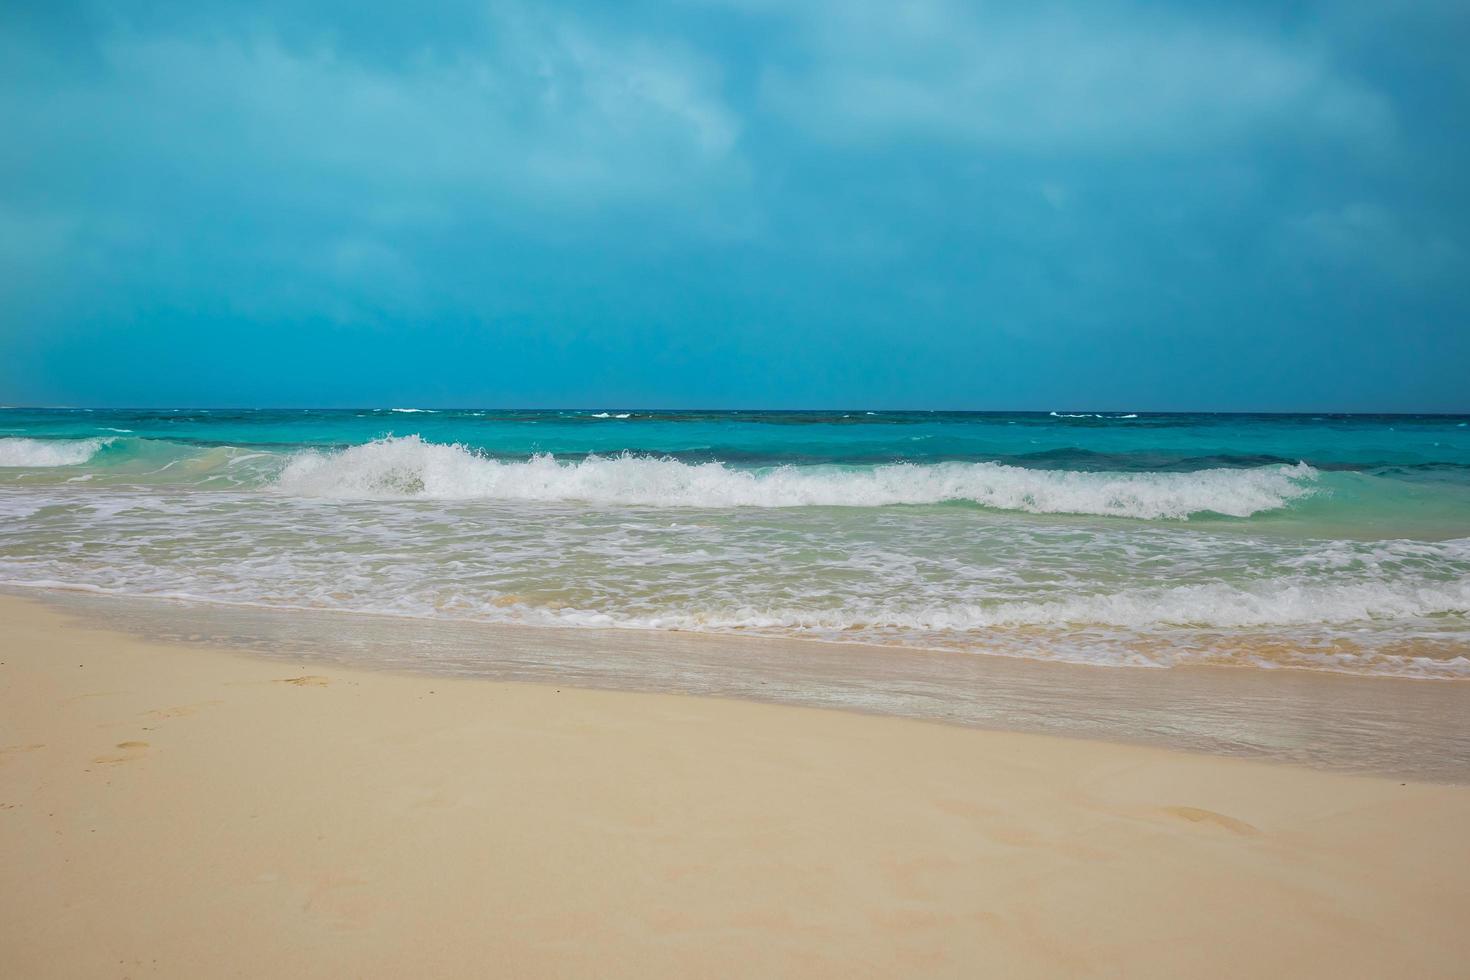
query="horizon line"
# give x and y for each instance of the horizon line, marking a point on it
(747, 410)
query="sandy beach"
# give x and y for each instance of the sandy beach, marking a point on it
(734, 490)
(177, 811)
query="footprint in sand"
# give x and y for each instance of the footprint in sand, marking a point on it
(305, 680)
(130, 752)
(1196, 814)
(182, 711)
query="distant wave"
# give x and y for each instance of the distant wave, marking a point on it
(21, 452)
(411, 467)
(1091, 415)
(430, 411)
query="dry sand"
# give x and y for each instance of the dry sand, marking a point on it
(182, 812)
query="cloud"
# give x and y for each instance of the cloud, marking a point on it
(556, 113)
(1368, 239)
(1058, 78)
(259, 165)
(998, 184)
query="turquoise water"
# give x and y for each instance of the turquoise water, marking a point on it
(1117, 538)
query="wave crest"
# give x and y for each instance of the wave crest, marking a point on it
(398, 467)
(27, 453)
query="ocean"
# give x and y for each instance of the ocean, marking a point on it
(1121, 539)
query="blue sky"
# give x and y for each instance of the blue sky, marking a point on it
(706, 203)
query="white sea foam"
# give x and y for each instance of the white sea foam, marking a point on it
(1106, 592)
(1215, 607)
(27, 453)
(1195, 623)
(410, 467)
(412, 411)
(1207, 606)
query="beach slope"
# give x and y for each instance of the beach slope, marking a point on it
(168, 811)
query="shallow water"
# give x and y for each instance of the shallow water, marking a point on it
(1128, 539)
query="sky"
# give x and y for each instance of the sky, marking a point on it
(705, 203)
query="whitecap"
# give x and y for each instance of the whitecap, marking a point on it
(411, 467)
(23, 452)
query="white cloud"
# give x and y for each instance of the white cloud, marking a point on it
(296, 153)
(556, 115)
(1050, 77)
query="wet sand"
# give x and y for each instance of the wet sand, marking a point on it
(1374, 725)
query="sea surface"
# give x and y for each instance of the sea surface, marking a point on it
(1127, 539)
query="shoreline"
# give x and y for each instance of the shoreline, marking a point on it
(62, 595)
(1390, 726)
(175, 810)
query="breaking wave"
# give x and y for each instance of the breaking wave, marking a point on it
(20, 452)
(410, 467)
